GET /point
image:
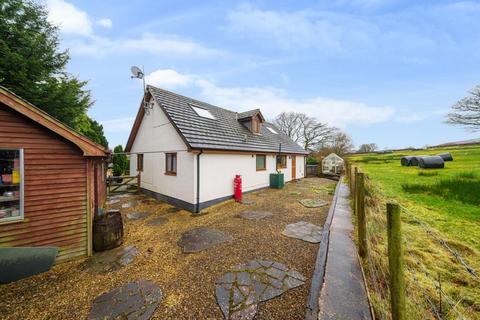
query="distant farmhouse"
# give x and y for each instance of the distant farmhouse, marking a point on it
(188, 152)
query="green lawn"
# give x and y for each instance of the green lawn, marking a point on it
(448, 200)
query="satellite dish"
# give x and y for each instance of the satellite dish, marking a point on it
(137, 72)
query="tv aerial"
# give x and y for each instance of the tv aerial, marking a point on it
(138, 73)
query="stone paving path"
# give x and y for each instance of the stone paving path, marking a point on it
(304, 231)
(132, 301)
(137, 215)
(255, 215)
(313, 203)
(202, 238)
(111, 260)
(244, 286)
(158, 221)
(343, 293)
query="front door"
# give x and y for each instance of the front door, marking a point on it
(294, 167)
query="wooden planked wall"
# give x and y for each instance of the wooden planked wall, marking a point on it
(55, 188)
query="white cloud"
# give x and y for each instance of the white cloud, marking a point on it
(148, 43)
(272, 101)
(82, 40)
(117, 125)
(168, 78)
(69, 18)
(105, 22)
(324, 31)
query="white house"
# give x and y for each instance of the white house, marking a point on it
(332, 164)
(188, 152)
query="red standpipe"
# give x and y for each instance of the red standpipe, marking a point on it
(237, 188)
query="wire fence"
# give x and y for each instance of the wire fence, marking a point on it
(429, 293)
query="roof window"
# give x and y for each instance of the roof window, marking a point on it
(272, 130)
(203, 112)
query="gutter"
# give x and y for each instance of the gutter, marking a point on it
(197, 205)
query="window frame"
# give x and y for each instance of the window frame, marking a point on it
(171, 172)
(21, 189)
(280, 165)
(206, 113)
(265, 162)
(140, 160)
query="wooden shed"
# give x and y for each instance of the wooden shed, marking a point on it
(52, 181)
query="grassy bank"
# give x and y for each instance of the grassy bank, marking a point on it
(447, 201)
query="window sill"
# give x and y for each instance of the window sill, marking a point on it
(170, 173)
(10, 221)
(264, 169)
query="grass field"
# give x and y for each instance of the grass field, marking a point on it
(448, 201)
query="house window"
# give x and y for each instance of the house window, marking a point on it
(140, 162)
(281, 162)
(11, 184)
(171, 164)
(261, 162)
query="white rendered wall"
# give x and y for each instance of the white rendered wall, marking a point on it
(158, 136)
(217, 172)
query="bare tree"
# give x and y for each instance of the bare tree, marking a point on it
(368, 147)
(342, 143)
(315, 134)
(466, 112)
(289, 123)
(305, 130)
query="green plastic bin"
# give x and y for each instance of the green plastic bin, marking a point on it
(277, 180)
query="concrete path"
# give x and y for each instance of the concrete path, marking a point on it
(343, 294)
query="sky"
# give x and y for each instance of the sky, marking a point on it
(384, 71)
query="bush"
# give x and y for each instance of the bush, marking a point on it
(120, 161)
(311, 160)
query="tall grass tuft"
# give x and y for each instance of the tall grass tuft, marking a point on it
(425, 173)
(467, 175)
(463, 190)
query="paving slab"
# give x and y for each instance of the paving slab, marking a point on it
(343, 294)
(202, 238)
(313, 203)
(111, 260)
(127, 205)
(304, 231)
(244, 286)
(132, 301)
(137, 215)
(255, 215)
(158, 221)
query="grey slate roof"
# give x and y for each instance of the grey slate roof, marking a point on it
(248, 114)
(224, 132)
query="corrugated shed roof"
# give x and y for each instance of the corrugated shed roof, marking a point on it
(224, 132)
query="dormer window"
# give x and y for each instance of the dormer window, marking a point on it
(252, 120)
(255, 125)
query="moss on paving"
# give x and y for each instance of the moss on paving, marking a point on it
(186, 280)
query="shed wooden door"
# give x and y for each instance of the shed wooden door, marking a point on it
(294, 168)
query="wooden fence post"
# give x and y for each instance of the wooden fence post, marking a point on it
(355, 172)
(361, 219)
(395, 262)
(138, 181)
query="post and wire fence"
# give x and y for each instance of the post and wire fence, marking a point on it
(402, 277)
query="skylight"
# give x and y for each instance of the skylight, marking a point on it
(203, 112)
(272, 130)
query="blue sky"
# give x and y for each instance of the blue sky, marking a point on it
(384, 71)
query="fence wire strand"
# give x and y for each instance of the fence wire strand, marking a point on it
(377, 273)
